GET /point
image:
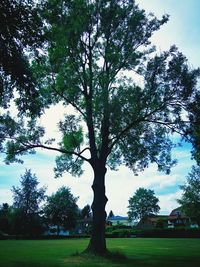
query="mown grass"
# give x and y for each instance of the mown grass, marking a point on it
(135, 252)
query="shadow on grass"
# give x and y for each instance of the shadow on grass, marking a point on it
(28, 264)
(111, 259)
(118, 259)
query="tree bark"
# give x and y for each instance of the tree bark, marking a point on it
(97, 243)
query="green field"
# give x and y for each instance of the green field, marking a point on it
(138, 252)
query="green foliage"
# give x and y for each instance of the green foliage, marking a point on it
(194, 115)
(61, 209)
(20, 133)
(73, 140)
(86, 212)
(72, 133)
(4, 218)
(28, 197)
(26, 206)
(21, 30)
(122, 233)
(190, 199)
(119, 231)
(88, 47)
(181, 232)
(68, 163)
(143, 203)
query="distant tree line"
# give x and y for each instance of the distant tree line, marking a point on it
(33, 212)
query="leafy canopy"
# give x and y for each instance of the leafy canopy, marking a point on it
(86, 212)
(142, 203)
(90, 51)
(61, 208)
(26, 208)
(20, 36)
(190, 199)
(4, 218)
(28, 197)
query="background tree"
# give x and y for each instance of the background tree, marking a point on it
(26, 204)
(86, 212)
(190, 199)
(90, 46)
(142, 203)
(111, 214)
(4, 218)
(61, 209)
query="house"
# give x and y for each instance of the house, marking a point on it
(116, 220)
(53, 230)
(178, 218)
(153, 221)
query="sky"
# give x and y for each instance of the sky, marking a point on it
(183, 29)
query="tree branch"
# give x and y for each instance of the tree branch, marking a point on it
(33, 146)
(65, 98)
(144, 119)
(70, 102)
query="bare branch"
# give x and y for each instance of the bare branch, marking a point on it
(70, 102)
(66, 99)
(33, 146)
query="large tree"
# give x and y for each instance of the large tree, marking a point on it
(26, 203)
(142, 203)
(190, 199)
(61, 209)
(91, 50)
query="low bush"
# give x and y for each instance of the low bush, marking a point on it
(155, 232)
(174, 232)
(120, 233)
(41, 237)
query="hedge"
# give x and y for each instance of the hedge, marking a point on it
(163, 233)
(174, 232)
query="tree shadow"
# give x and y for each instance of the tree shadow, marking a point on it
(114, 258)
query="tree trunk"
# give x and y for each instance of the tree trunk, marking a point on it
(97, 243)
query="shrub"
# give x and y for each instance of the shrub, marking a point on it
(174, 232)
(121, 233)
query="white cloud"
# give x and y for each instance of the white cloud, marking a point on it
(168, 202)
(122, 185)
(5, 195)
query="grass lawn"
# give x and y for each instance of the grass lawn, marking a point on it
(138, 252)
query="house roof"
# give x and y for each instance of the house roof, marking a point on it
(177, 213)
(154, 218)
